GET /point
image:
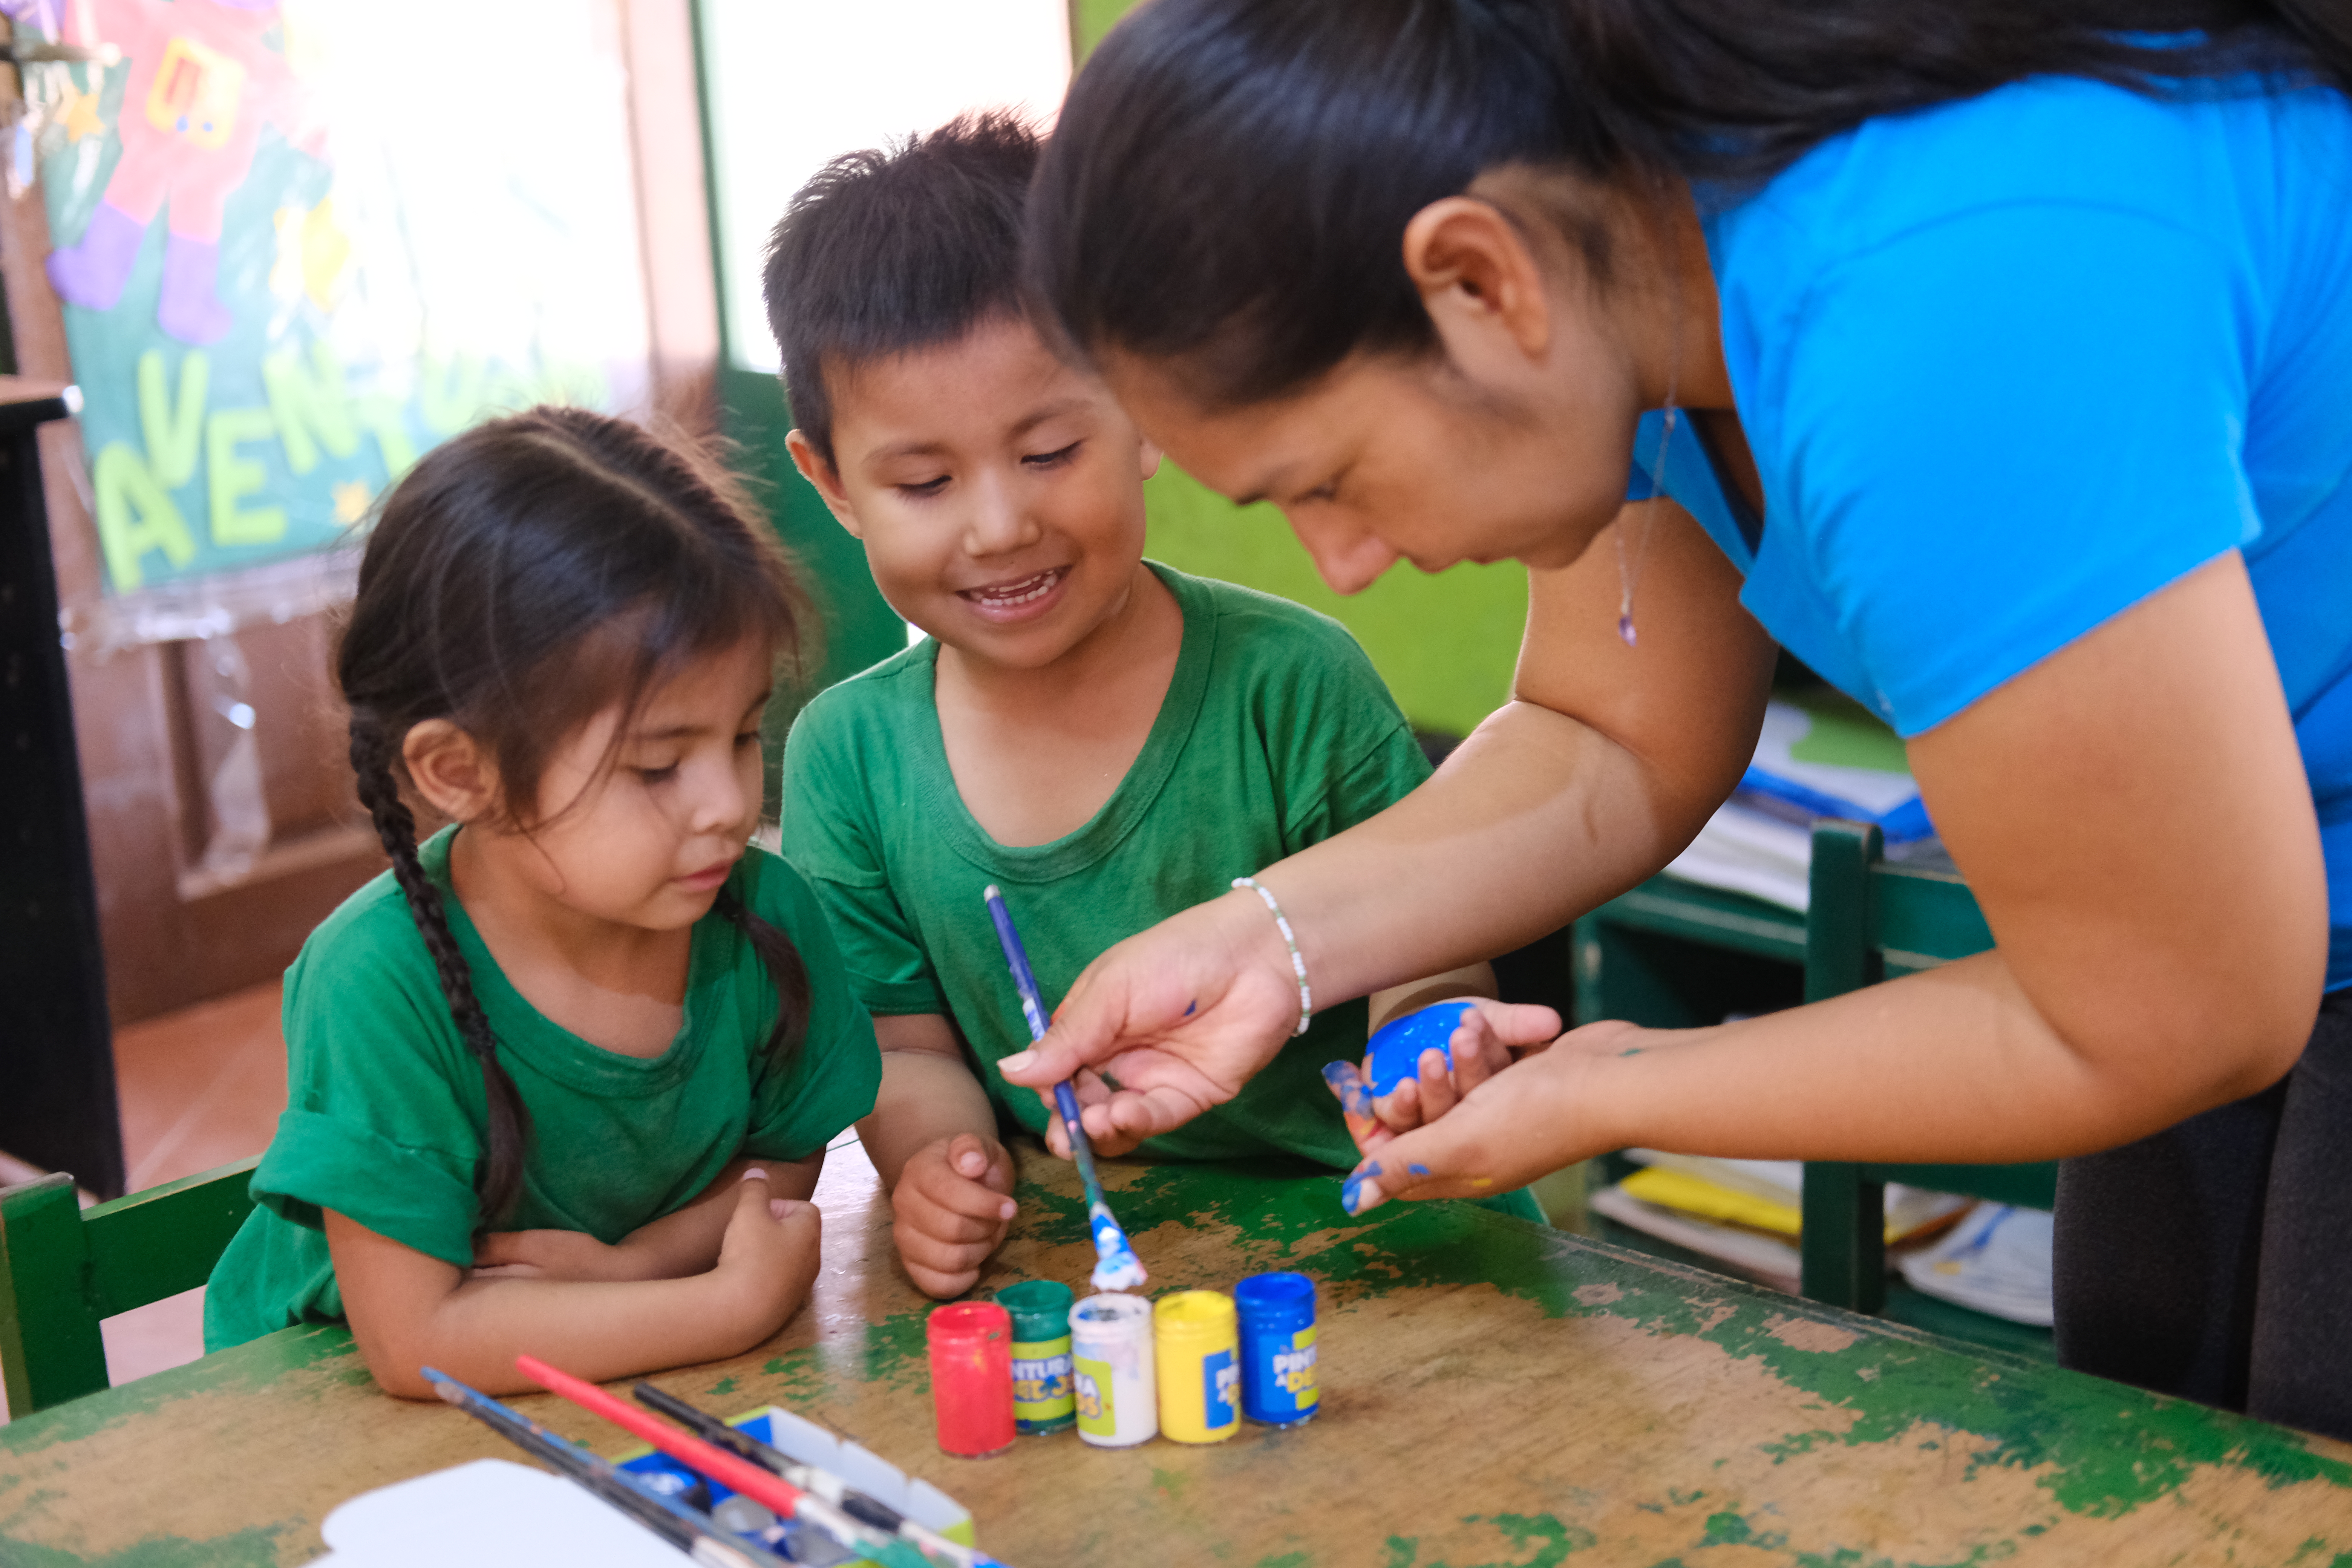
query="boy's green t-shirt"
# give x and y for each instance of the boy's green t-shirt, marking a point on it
(385, 1112)
(1276, 733)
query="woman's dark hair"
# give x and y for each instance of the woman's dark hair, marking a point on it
(885, 251)
(1229, 180)
(524, 577)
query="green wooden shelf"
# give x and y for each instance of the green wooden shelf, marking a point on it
(1668, 906)
(1674, 955)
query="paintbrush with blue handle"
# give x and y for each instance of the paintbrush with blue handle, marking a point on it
(1115, 1266)
(689, 1529)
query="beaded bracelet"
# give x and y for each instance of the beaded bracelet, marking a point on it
(1297, 964)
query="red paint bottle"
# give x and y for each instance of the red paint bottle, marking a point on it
(972, 1377)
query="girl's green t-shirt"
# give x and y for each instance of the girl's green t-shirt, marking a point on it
(385, 1113)
(1276, 733)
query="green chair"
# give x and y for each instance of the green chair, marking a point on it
(1870, 921)
(64, 1270)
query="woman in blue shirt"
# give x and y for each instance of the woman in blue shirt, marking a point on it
(1994, 357)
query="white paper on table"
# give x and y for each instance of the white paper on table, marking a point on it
(490, 1513)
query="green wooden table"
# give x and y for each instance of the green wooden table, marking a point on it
(1494, 1394)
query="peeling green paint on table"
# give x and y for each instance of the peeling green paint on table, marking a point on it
(1496, 1393)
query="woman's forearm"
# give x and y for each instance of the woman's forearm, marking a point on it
(1602, 767)
(1951, 1066)
(1535, 818)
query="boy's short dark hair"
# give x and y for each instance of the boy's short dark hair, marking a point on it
(892, 250)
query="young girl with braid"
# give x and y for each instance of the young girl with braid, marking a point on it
(563, 1079)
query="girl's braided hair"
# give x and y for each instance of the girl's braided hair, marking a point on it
(522, 578)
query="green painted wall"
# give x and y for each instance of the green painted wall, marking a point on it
(1090, 19)
(1446, 645)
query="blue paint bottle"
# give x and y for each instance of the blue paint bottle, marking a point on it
(1280, 1387)
(1395, 1048)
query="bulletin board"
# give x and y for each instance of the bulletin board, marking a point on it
(297, 244)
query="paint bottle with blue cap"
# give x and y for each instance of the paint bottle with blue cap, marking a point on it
(1199, 1354)
(1277, 1345)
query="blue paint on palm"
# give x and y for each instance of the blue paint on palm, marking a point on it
(1395, 1050)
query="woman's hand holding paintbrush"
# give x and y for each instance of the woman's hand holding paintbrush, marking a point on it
(1182, 1033)
(1093, 1094)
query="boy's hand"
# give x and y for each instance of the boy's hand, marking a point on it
(1095, 1111)
(1491, 1035)
(952, 1204)
(549, 1254)
(767, 1260)
(1523, 1122)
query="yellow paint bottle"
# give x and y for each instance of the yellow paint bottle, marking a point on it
(1197, 1352)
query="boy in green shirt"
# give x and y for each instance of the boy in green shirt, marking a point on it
(1106, 739)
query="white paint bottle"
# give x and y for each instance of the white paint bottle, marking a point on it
(1111, 1367)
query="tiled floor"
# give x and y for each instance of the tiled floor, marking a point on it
(199, 1087)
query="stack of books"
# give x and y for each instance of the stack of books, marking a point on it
(1747, 1214)
(1822, 757)
(1996, 1259)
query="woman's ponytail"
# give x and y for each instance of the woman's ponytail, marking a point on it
(498, 1176)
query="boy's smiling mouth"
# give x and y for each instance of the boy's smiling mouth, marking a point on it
(1017, 599)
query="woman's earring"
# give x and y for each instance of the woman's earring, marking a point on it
(1628, 578)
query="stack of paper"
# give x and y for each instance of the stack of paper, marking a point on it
(1997, 1260)
(1826, 758)
(1747, 1213)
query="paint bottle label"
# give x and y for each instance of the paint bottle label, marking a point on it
(1041, 1396)
(1220, 1388)
(1096, 1405)
(1290, 1384)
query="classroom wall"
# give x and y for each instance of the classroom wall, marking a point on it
(1447, 644)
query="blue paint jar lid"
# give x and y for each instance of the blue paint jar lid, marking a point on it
(1277, 1296)
(1395, 1048)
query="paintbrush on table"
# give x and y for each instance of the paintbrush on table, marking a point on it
(761, 1485)
(1116, 1268)
(809, 1478)
(689, 1528)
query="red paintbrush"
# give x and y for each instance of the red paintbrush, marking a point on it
(788, 1500)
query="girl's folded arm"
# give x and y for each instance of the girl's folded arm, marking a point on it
(676, 1246)
(409, 1311)
(687, 1242)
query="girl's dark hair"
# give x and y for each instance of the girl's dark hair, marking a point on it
(522, 578)
(1228, 182)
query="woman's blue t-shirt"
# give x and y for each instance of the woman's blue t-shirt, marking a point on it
(2009, 365)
